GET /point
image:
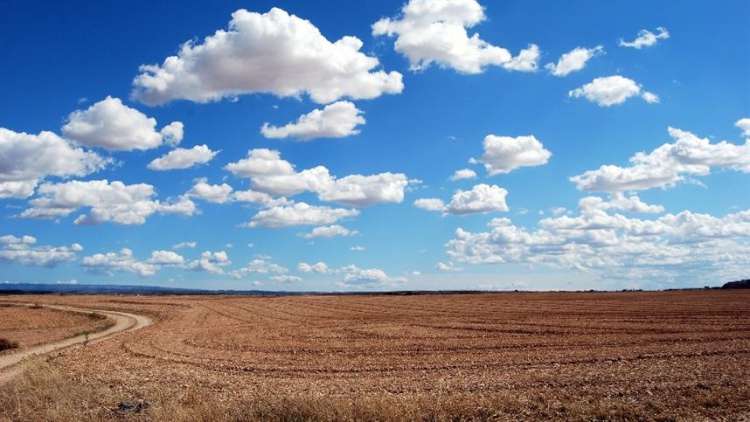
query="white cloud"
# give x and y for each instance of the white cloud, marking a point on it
(285, 278)
(430, 204)
(173, 133)
(299, 214)
(612, 90)
(329, 231)
(182, 245)
(259, 265)
(119, 261)
(744, 125)
(680, 246)
(574, 60)
(261, 198)
(503, 154)
(463, 174)
(162, 257)
(26, 159)
(618, 201)
(646, 38)
(217, 194)
(183, 158)
(357, 248)
(360, 191)
(447, 267)
(356, 276)
(274, 53)
(211, 262)
(111, 125)
(107, 202)
(320, 267)
(337, 120)
(269, 173)
(480, 199)
(23, 250)
(435, 32)
(667, 165)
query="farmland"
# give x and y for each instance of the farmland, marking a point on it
(649, 355)
(32, 325)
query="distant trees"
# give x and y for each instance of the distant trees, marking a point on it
(740, 284)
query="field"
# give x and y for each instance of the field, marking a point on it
(30, 325)
(527, 356)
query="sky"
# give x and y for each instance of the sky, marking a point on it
(390, 145)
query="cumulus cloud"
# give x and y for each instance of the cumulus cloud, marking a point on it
(574, 60)
(503, 154)
(107, 202)
(162, 257)
(259, 265)
(619, 202)
(23, 250)
(299, 214)
(211, 262)
(447, 267)
(744, 125)
(333, 230)
(435, 32)
(360, 191)
(667, 165)
(463, 174)
(273, 52)
(271, 174)
(319, 267)
(112, 125)
(430, 204)
(481, 198)
(122, 261)
(26, 159)
(183, 245)
(337, 120)
(261, 198)
(615, 245)
(217, 194)
(356, 276)
(646, 38)
(285, 278)
(183, 158)
(612, 90)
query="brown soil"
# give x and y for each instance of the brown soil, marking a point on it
(30, 325)
(527, 356)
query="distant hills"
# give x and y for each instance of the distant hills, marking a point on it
(40, 288)
(32, 288)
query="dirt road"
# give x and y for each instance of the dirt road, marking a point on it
(9, 367)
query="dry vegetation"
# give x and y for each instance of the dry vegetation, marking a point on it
(518, 356)
(27, 326)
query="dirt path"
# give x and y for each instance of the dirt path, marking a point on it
(9, 367)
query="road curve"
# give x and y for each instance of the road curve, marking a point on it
(124, 321)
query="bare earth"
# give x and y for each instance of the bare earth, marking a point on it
(527, 356)
(108, 323)
(30, 326)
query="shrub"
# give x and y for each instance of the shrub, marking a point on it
(6, 344)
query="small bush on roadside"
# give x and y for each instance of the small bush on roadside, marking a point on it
(6, 344)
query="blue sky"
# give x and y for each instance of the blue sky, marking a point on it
(441, 85)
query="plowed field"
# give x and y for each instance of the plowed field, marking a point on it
(683, 355)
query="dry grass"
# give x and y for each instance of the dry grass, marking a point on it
(629, 356)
